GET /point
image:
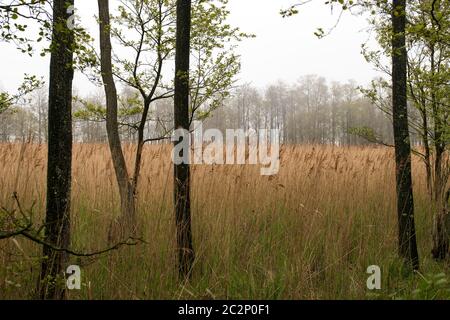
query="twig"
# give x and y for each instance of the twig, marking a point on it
(28, 232)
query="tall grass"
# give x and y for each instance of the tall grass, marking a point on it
(309, 232)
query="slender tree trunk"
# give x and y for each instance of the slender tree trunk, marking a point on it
(440, 231)
(347, 127)
(181, 112)
(39, 120)
(57, 219)
(405, 202)
(140, 146)
(333, 123)
(426, 144)
(127, 200)
(441, 217)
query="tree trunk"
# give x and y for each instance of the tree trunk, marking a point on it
(127, 200)
(181, 113)
(57, 219)
(440, 228)
(405, 202)
(140, 144)
(426, 144)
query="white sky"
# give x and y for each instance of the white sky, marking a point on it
(284, 48)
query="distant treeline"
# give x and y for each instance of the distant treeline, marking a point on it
(310, 111)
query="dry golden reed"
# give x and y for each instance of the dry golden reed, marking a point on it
(309, 232)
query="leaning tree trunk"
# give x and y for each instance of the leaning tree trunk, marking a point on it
(57, 219)
(405, 203)
(127, 200)
(181, 113)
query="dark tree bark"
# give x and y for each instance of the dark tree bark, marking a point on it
(181, 113)
(405, 202)
(440, 228)
(57, 220)
(126, 190)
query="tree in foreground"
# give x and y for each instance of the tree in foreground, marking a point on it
(146, 29)
(427, 42)
(407, 244)
(57, 218)
(112, 127)
(182, 203)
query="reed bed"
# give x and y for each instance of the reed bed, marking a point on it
(309, 232)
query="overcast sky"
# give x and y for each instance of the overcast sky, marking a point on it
(284, 48)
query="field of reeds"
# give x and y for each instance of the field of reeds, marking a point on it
(309, 232)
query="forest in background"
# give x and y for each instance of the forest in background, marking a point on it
(308, 112)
